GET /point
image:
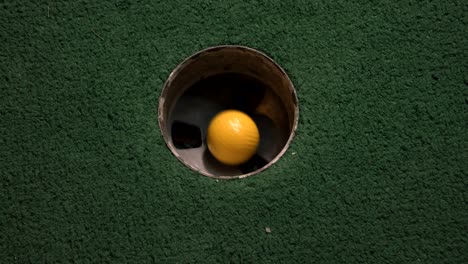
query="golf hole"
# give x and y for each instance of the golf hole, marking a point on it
(221, 78)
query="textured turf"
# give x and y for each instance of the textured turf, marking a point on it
(377, 172)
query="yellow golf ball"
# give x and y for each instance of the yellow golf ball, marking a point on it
(232, 137)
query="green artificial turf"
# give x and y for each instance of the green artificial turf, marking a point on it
(376, 174)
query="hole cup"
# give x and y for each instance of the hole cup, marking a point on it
(221, 78)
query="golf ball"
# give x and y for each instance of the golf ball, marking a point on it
(232, 137)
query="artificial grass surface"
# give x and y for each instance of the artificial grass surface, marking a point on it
(380, 167)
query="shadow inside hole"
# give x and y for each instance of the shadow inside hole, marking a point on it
(231, 91)
(253, 164)
(185, 136)
(213, 165)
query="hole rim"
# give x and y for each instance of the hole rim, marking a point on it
(181, 66)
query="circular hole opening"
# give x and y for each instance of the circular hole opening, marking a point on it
(221, 78)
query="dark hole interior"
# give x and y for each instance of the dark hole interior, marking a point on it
(186, 136)
(253, 164)
(231, 90)
(228, 91)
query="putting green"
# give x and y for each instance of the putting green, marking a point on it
(377, 172)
